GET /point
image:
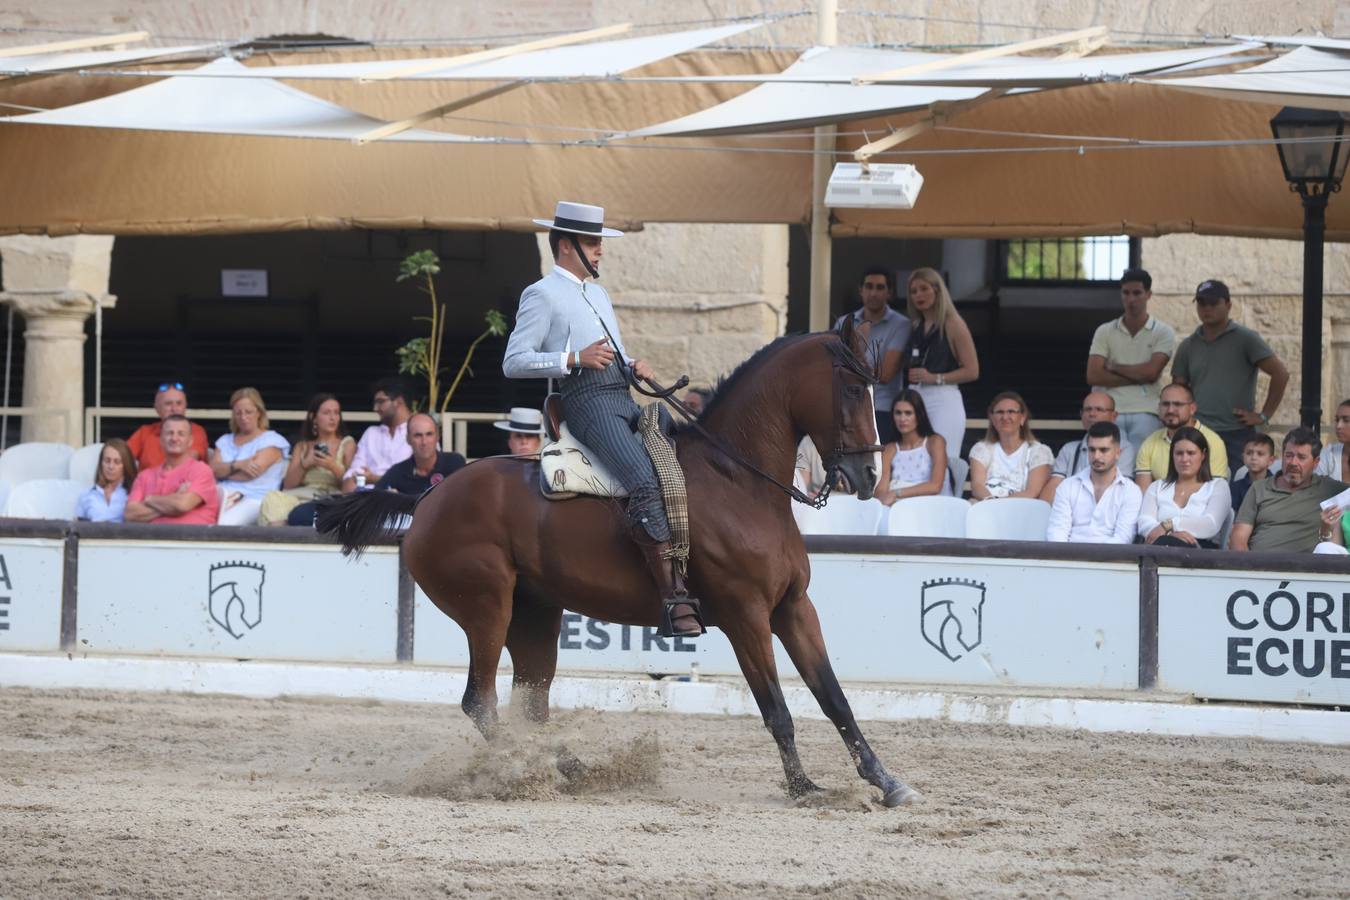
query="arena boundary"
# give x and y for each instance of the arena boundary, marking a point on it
(1157, 714)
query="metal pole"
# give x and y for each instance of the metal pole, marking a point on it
(1314, 228)
(97, 436)
(827, 35)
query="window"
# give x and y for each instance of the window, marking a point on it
(1067, 260)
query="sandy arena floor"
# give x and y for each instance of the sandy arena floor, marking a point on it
(155, 795)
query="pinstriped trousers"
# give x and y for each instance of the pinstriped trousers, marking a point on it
(602, 414)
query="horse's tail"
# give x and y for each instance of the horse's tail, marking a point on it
(358, 520)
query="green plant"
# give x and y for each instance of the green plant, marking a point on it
(422, 355)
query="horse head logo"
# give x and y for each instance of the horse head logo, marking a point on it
(952, 615)
(236, 596)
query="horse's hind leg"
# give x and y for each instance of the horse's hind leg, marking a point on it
(798, 627)
(532, 641)
(753, 644)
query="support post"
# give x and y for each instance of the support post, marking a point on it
(822, 248)
(1314, 230)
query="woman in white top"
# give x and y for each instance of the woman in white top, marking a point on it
(245, 460)
(1009, 462)
(914, 465)
(1188, 507)
(1334, 461)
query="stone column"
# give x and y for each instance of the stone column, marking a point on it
(55, 284)
(1339, 368)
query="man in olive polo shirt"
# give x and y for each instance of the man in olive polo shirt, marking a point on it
(1219, 362)
(1127, 358)
(1284, 512)
(1176, 407)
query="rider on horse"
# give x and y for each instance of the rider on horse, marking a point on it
(566, 329)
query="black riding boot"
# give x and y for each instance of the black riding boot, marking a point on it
(681, 617)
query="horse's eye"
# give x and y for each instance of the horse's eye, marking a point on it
(854, 392)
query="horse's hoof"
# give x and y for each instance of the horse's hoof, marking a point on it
(569, 766)
(904, 795)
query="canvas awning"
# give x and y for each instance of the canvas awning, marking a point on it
(592, 60)
(258, 107)
(38, 63)
(818, 88)
(1306, 76)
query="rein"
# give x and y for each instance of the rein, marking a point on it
(846, 360)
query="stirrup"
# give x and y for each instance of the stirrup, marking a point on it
(667, 628)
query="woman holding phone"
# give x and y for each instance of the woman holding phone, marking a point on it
(320, 457)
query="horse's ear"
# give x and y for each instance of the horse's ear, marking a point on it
(852, 338)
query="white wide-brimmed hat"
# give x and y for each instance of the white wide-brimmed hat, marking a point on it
(579, 218)
(523, 420)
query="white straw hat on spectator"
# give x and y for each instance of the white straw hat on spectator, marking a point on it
(579, 218)
(523, 420)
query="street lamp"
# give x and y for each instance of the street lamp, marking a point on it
(1314, 160)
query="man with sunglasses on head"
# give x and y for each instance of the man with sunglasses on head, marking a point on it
(1219, 362)
(170, 400)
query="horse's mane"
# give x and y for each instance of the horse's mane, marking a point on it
(743, 372)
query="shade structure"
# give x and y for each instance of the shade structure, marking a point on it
(987, 184)
(594, 60)
(258, 107)
(1306, 76)
(39, 63)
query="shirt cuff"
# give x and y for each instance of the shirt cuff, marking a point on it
(563, 365)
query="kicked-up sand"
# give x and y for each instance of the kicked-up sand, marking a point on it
(166, 795)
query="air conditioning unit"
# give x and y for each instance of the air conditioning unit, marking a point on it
(880, 186)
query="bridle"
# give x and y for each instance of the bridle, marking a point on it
(842, 357)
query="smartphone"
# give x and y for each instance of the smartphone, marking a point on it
(321, 449)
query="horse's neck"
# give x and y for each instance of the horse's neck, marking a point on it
(759, 430)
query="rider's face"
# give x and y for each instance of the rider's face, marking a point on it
(591, 247)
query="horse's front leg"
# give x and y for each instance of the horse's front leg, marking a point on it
(798, 627)
(753, 642)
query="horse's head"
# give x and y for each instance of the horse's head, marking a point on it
(841, 421)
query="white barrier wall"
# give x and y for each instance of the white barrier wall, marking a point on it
(1252, 636)
(30, 593)
(897, 619)
(238, 600)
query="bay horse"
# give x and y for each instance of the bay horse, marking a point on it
(504, 562)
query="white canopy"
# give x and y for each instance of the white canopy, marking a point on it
(36, 63)
(819, 89)
(1322, 43)
(256, 107)
(579, 61)
(774, 107)
(1307, 77)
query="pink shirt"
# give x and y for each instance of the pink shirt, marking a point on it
(196, 474)
(378, 450)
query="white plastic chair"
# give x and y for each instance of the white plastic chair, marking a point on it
(1226, 529)
(842, 514)
(27, 462)
(83, 465)
(1008, 519)
(5, 488)
(928, 517)
(44, 498)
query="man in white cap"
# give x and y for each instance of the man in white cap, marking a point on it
(525, 430)
(566, 329)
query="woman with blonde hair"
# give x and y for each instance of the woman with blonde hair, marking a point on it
(939, 355)
(249, 461)
(1009, 462)
(106, 501)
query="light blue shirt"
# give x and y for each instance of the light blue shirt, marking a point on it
(559, 313)
(94, 506)
(269, 480)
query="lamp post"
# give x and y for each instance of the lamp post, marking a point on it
(1314, 163)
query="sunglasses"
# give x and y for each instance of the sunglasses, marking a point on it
(176, 385)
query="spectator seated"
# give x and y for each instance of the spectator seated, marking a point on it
(83, 465)
(1009, 519)
(44, 498)
(928, 517)
(842, 514)
(27, 462)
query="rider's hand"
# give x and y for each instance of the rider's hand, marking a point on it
(643, 370)
(598, 355)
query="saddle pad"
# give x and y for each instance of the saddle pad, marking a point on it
(567, 468)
